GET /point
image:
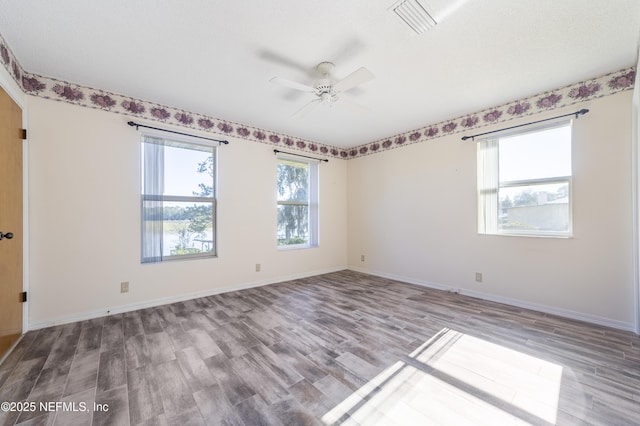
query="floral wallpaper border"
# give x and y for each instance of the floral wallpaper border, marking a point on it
(579, 92)
(64, 91)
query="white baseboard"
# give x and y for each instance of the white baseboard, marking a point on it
(172, 299)
(594, 319)
(567, 313)
(402, 278)
(607, 322)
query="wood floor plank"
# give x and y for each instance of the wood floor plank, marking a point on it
(179, 338)
(270, 361)
(203, 343)
(18, 352)
(22, 379)
(291, 412)
(90, 339)
(63, 350)
(160, 348)
(137, 351)
(145, 401)
(311, 398)
(151, 321)
(49, 387)
(197, 321)
(83, 373)
(111, 370)
(77, 417)
(301, 364)
(340, 348)
(234, 386)
(132, 324)
(253, 411)
(265, 383)
(194, 369)
(176, 393)
(191, 417)
(116, 403)
(112, 335)
(215, 407)
(46, 339)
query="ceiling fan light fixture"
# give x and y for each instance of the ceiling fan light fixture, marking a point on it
(415, 15)
(326, 90)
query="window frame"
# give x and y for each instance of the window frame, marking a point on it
(488, 191)
(312, 202)
(183, 142)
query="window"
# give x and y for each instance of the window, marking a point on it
(524, 182)
(297, 202)
(178, 199)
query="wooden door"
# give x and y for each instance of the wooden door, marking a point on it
(10, 222)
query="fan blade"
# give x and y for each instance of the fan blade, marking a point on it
(292, 84)
(306, 108)
(359, 76)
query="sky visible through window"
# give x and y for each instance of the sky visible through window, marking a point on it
(181, 171)
(538, 155)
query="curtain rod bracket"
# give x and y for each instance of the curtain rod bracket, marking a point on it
(577, 113)
(138, 125)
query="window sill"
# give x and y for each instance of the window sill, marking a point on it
(179, 258)
(296, 247)
(526, 235)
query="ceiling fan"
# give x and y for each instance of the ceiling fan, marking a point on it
(328, 91)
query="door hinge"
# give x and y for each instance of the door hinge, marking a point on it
(23, 134)
(23, 296)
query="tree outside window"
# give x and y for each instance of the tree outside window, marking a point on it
(178, 200)
(297, 203)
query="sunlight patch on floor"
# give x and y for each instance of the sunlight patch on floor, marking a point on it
(454, 378)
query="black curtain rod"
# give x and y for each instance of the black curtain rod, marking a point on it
(577, 113)
(132, 124)
(298, 155)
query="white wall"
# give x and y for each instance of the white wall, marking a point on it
(412, 213)
(85, 219)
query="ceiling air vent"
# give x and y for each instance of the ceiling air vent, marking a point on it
(414, 14)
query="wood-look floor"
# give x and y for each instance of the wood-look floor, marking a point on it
(341, 348)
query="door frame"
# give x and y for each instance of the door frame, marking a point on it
(635, 157)
(16, 94)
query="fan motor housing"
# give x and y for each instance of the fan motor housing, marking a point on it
(324, 68)
(324, 90)
(323, 87)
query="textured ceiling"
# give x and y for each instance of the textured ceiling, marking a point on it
(217, 57)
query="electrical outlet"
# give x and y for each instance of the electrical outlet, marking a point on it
(478, 277)
(362, 258)
(257, 267)
(124, 287)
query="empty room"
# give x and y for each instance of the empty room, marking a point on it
(397, 212)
